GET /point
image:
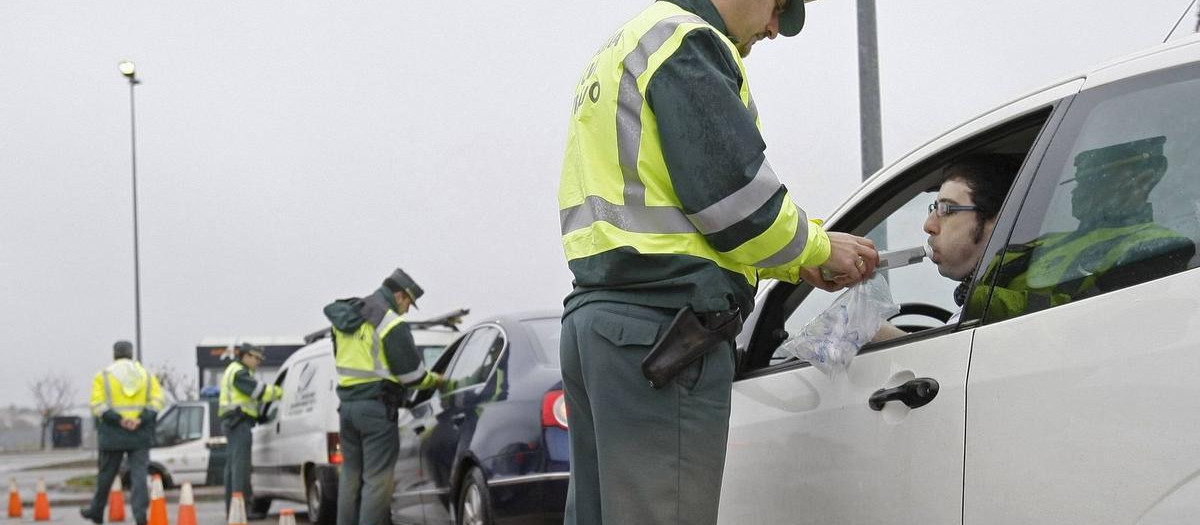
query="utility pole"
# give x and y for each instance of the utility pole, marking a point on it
(870, 131)
(128, 69)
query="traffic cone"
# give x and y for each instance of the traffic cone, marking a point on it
(237, 509)
(158, 503)
(287, 517)
(187, 506)
(14, 500)
(41, 505)
(116, 502)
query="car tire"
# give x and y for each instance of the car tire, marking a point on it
(259, 505)
(474, 503)
(321, 496)
(168, 483)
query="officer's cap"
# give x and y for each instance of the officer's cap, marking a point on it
(256, 351)
(399, 281)
(791, 20)
(122, 348)
(1143, 154)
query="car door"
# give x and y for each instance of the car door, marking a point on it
(805, 447)
(265, 451)
(454, 422)
(416, 423)
(1083, 408)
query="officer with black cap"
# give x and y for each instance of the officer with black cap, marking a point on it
(242, 396)
(377, 362)
(126, 400)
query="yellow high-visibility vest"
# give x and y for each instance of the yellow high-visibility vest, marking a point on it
(126, 387)
(615, 189)
(360, 356)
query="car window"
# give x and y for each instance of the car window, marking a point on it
(191, 423)
(166, 430)
(476, 357)
(546, 332)
(1116, 201)
(894, 217)
(430, 354)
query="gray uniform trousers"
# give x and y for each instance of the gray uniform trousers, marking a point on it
(639, 455)
(110, 465)
(370, 445)
(237, 460)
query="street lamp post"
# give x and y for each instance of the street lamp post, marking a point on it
(130, 72)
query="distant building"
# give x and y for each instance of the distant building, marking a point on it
(213, 354)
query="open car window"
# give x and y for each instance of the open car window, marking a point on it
(893, 217)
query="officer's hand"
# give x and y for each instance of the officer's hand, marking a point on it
(852, 259)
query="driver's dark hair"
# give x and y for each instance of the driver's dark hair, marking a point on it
(989, 177)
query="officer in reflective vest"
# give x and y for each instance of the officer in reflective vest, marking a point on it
(376, 362)
(668, 206)
(1117, 243)
(242, 398)
(126, 400)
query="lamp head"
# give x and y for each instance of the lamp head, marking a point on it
(127, 68)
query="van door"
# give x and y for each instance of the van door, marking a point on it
(265, 453)
(300, 426)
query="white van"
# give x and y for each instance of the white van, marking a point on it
(297, 449)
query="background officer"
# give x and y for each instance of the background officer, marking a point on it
(376, 362)
(241, 398)
(126, 400)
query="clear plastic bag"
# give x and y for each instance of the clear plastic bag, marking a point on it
(833, 338)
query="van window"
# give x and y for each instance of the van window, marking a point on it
(1116, 201)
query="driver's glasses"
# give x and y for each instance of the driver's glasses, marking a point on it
(943, 208)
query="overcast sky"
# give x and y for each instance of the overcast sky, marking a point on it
(290, 153)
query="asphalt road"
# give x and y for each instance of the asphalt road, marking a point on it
(207, 513)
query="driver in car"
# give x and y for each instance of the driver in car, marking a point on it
(961, 220)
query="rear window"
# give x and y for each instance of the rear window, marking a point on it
(545, 333)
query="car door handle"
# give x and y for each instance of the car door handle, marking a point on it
(276, 427)
(915, 393)
(418, 429)
(457, 419)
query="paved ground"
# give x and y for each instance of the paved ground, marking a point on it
(55, 467)
(207, 513)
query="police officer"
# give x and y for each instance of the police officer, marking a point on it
(376, 362)
(1117, 243)
(669, 210)
(126, 400)
(242, 396)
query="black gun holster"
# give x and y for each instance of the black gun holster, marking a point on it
(689, 337)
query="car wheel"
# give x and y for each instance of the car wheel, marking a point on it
(260, 506)
(474, 501)
(168, 483)
(321, 496)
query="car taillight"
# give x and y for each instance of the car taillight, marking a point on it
(333, 443)
(554, 409)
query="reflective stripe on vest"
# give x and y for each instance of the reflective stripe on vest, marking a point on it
(232, 398)
(352, 355)
(615, 189)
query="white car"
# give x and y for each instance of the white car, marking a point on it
(189, 445)
(1077, 411)
(296, 451)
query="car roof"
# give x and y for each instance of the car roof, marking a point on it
(521, 315)
(1162, 56)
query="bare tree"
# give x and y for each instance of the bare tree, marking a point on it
(175, 383)
(52, 395)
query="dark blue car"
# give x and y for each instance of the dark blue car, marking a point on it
(490, 446)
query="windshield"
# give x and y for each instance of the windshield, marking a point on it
(545, 332)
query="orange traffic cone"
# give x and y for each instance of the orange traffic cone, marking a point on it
(116, 502)
(158, 503)
(14, 500)
(237, 509)
(187, 506)
(41, 505)
(287, 517)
